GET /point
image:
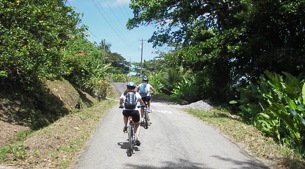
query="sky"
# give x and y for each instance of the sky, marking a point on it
(107, 20)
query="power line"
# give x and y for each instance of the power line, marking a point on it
(126, 42)
(114, 14)
(93, 34)
(106, 16)
(98, 7)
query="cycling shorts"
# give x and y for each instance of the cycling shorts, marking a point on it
(133, 113)
(146, 98)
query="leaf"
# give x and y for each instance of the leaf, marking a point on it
(291, 104)
(300, 108)
(266, 116)
(233, 102)
(303, 93)
(281, 112)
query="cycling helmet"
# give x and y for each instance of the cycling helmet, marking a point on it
(145, 79)
(131, 85)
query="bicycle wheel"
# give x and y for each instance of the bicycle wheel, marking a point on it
(146, 119)
(130, 141)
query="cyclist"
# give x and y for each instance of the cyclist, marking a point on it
(128, 101)
(145, 91)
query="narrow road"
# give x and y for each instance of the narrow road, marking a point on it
(175, 139)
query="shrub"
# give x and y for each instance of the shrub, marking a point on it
(276, 106)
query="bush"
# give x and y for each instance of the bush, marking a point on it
(276, 106)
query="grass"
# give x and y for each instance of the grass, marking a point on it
(57, 144)
(251, 139)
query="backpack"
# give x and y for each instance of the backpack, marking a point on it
(143, 90)
(131, 100)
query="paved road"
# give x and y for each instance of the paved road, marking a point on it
(174, 140)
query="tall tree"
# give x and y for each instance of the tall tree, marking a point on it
(228, 40)
(200, 30)
(118, 62)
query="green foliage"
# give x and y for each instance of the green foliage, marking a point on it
(235, 43)
(117, 77)
(276, 106)
(83, 61)
(97, 87)
(118, 63)
(154, 65)
(187, 89)
(154, 80)
(123, 78)
(32, 35)
(169, 78)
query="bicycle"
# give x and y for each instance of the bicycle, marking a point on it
(131, 135)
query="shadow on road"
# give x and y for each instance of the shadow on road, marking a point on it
(180, 163)
(249, 164)
(124, 145)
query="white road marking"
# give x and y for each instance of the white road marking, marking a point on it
(164, 111)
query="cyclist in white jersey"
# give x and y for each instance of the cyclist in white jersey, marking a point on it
(134, 112)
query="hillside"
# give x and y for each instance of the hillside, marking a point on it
(60, 94)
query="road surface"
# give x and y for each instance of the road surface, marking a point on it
(174, 140)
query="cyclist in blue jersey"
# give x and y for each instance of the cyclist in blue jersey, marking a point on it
(146, 90)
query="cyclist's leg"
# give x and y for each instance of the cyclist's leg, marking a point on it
(142, 110)
(136, 120)
(142, 114)
(125, 119)
(148, 103)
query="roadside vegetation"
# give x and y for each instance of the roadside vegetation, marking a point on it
(250, 139)
(246, 57)
(57, 145)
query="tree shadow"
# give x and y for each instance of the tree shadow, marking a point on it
(179, 163)
(30, 105)
(248, 164)
(186, 164)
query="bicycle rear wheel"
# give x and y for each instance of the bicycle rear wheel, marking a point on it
(146, 119)
(130, 140)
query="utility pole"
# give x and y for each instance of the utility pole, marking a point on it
(141, 59)
(129, 68)
(103, 47)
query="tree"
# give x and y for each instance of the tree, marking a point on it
(33, 33)
(227, 40)
(104, 46)
(201, 31)
(118, 62)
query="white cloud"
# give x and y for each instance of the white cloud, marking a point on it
(123, 2)
(114, 3)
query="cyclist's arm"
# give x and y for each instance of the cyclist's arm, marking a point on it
(122, 98)
(138, 88)
(142, 102)
(154, 91)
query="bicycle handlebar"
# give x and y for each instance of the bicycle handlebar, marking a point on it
(140, 106)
